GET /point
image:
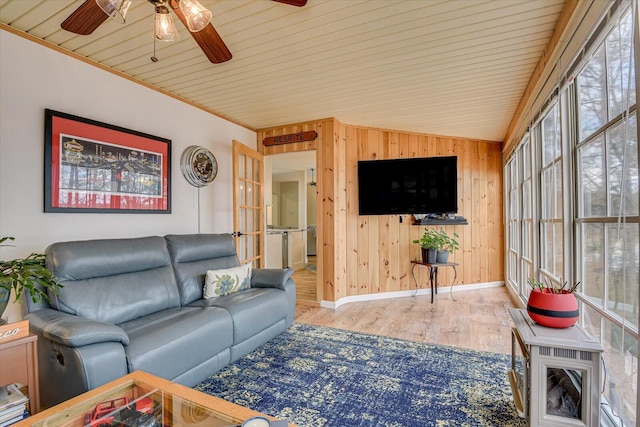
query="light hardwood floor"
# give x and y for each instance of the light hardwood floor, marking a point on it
(306, 287)
(476, 320)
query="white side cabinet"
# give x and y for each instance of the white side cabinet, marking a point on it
(555, 375)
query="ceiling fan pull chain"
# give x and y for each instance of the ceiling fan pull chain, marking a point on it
(154, 58)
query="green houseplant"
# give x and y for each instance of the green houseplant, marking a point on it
(429, 243)
(446, 244)
(547, 287)
(25, 275)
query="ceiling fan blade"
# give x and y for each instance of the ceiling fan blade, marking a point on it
(298, 3)
(85, 19)
(208, 39)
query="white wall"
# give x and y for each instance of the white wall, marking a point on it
(32, 78)
(299, 198)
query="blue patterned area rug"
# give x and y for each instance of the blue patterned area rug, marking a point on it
(316, 376)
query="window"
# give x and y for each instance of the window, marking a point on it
(520, 219)
(551, 198)
(513, 231)
(607, 220)
(527, 258)
(573, 194)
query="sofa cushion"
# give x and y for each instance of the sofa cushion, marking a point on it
(172, 342)
(113, 280)
(193, 255)
(225, 281)
(252, 310)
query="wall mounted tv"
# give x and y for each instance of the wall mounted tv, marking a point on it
(424, 185)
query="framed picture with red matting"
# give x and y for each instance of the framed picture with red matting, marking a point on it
(95, 167)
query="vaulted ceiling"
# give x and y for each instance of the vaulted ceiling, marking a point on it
(448, 67)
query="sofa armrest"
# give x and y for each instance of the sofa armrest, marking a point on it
(74, 331)
(270, 277)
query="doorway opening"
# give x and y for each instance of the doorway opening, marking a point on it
(291, 215)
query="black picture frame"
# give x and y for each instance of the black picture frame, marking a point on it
(95, 167)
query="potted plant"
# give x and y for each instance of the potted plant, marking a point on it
(429, 243)
(446, 245)
(25, 275)
(554, 307)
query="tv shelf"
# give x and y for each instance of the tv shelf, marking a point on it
(458, 220)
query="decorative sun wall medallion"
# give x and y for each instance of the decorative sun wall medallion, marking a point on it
(199, 166)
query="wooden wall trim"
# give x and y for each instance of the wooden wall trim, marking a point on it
(416, 133)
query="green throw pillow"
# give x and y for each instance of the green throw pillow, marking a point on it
(223, 282)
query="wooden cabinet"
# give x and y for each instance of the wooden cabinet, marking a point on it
(19, 364)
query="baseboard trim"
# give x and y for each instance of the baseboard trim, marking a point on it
(409, 293)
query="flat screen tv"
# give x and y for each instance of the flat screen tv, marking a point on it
(424, 185)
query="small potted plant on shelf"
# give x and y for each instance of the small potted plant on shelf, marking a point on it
(551, 306)
(429, 243)
(25, 275)
(446, 245)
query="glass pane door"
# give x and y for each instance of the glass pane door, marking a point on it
(248, 196)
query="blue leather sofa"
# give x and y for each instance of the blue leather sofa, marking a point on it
(137, 304)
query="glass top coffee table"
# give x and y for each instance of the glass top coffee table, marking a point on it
(140, 399)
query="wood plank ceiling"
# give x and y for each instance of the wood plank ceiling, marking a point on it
(456, 67)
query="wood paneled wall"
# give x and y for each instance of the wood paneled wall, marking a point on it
(371, 254)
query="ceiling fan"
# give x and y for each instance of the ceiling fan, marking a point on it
(197, 19)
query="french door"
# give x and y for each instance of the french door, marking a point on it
(248, 210)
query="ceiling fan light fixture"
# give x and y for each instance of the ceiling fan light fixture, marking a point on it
(196, 15)
(165, 30)
(116, 9)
